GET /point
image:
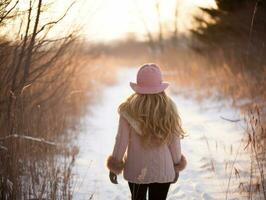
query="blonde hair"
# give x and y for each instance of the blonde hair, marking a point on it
(157, 115)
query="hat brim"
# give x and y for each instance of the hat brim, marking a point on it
(148, 90)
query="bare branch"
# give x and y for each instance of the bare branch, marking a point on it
(31, 45)
(160, 34)
(57, 21)
(44, 67)
(28, 138)
(148, 32)
(230, 120)
(8, 12)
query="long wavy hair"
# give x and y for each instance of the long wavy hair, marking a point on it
(157, 115)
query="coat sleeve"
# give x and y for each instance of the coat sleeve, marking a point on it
(115, 161)
(179, 160)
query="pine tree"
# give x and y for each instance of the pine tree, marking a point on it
(237, 28)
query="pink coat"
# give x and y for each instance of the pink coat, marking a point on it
(143, 165)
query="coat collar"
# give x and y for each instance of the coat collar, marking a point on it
(133, 123)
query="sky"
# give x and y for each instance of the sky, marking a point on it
(108, 20)
(117, 18)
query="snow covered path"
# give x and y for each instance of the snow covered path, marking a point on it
(210, 143)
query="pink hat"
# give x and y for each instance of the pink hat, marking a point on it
(149, 80)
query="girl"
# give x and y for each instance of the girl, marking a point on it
(150, 130)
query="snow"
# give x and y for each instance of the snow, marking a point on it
(210, 143)
(28, 138)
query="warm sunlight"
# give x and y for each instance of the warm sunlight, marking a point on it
(106, 20)
(116, 18)
(132, 99)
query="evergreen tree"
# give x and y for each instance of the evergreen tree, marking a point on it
(237, 28)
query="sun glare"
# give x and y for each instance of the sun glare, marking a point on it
(117, 18)
(106, 20)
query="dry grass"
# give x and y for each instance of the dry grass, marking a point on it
(245, 88)
(36, 160)
(46, 85)
(256, 144)
(36, 157)
(196, 77)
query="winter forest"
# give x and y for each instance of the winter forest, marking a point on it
(65, 66)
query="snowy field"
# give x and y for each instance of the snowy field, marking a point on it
(209, 145)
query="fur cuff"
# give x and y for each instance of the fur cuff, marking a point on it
(114, 165)
(181, 165)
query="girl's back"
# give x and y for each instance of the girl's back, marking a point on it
(147, 147)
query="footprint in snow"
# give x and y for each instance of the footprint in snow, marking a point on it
(206, 196)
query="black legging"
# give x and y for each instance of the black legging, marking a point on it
(157, 191)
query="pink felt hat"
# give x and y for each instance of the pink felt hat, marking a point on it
(149, 80)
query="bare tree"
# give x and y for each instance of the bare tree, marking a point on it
(5, 10)
(160, 33)
(36, 76)
(175, 33)
(151, 40)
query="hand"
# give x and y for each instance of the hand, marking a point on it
(176, 177)
(113, 177)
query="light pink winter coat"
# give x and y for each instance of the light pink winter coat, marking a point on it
(141, 164)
